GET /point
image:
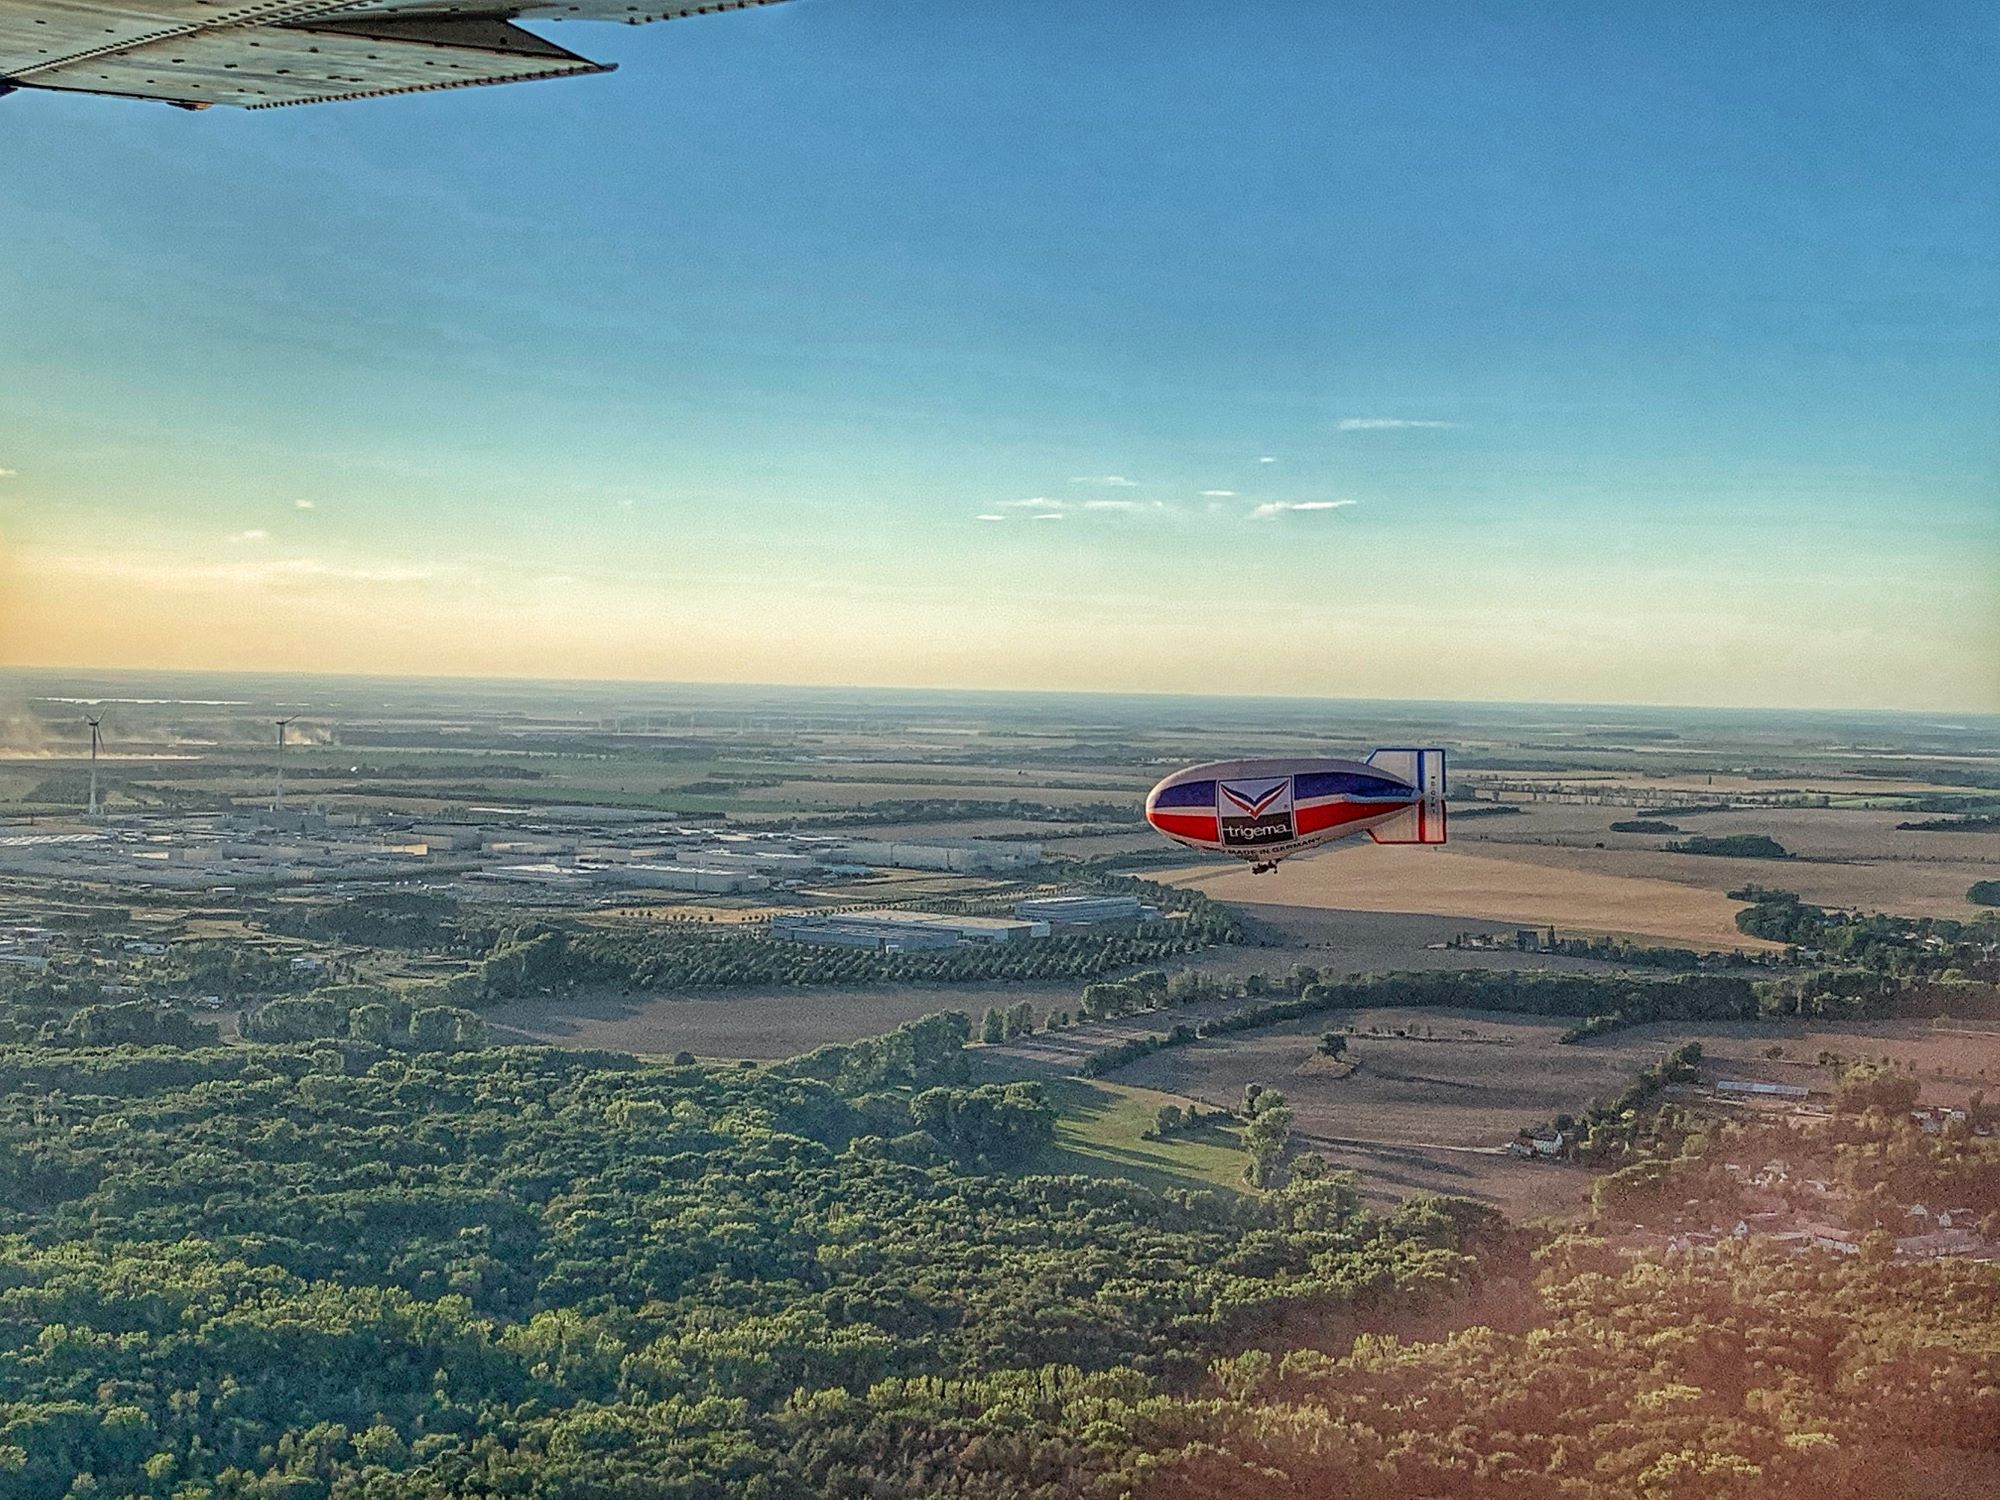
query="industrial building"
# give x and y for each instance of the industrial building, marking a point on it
(630, 877)
(520, 847)
(970, 856)
(769, 861)
(846, 932)
(562, 877)
(678, 877)
(1085, 911)
(902, 931)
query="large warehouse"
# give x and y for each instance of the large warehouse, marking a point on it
(1085, 911)
(902, 931)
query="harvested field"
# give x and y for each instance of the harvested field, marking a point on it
(1848, 857)
(1365, 877)
(975, 828)
(1458, 1079)
(764, 1025)
(1910, 887)
(1951, 1060)
(1428, 1110)
(1693, 786)
(1373, 942)
(943, 777)
(770, 1024)
(860, 794)
(1814, 833)
(1413, 1116)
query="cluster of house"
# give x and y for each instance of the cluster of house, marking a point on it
(1932, 1119)
(1793, 1212)
(26, 947)
(31, 947)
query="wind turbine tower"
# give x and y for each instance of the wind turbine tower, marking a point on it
(279, 806)
(95, 740)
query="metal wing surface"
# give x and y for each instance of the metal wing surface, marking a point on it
(264, 53)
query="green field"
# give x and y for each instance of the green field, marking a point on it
(1101, 1130)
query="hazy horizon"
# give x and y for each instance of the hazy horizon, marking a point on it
(110, 677)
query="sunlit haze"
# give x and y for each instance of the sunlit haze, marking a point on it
(1431, 351)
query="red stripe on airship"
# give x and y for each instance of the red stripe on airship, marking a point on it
(1327, 815)
(1193, 824)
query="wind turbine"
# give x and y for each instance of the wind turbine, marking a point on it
(281, 723)
(95, 740)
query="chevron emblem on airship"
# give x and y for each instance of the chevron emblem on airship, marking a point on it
(1251, 801)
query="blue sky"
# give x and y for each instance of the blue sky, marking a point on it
(1430, 350)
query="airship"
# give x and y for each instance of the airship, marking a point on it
(1267, 810)
(263, 54)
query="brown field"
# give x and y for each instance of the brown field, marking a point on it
(969, 828)
(1364, 877)
(1814, 832)
(1414, 1116)
(1427, 1111)
(1848, 857)
(1908, 888)
(1700, 785)
(1450, 1100)
(944, 777)
(771, 1024)
(858, 794)
(1952, 1060)
(761, 1025)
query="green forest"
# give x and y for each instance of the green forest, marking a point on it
(347, 1269)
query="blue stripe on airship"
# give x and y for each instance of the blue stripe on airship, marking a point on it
(1344, 784)
(1187, 794)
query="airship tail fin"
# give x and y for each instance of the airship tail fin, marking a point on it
(1423, 822)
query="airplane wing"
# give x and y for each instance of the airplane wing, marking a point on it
(265, 53)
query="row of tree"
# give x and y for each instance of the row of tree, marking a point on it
(365, 1013)
(555, 958)
(1604, 1001)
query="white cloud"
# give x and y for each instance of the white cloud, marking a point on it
(1129, 507)
(1267, 459)
(1274, 508)
(1049, 517)
(10, 473)
(1108, 481)
(1219, 494)
(255, 534)
(303, 505)
(625, 504)
(989, 517)
(1034, 502)
(1386, 424)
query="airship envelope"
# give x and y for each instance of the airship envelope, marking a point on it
(1264, 810)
